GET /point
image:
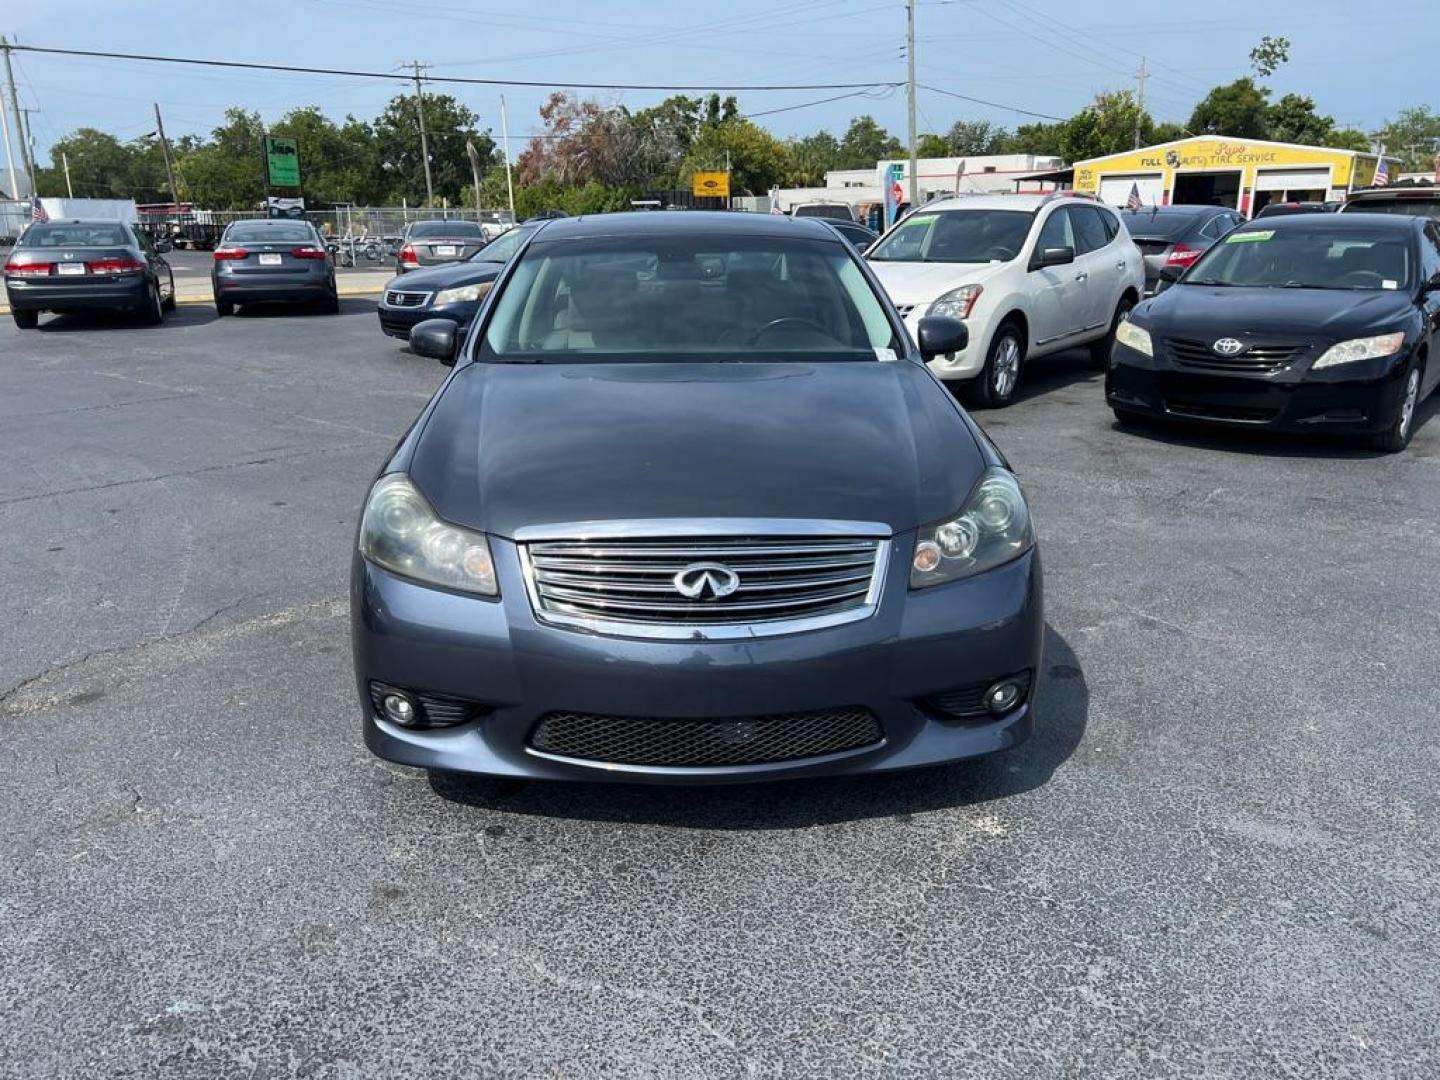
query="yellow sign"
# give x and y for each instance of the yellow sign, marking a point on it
(716, 184)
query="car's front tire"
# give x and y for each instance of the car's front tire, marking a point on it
(1129, 417)
(224, 308)
(25, 320)
(1397, 436)
(1004, 365)
(170, 300)
(1101, 347)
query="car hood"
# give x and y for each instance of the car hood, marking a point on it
(919, 283)
(1331, 315)
(447, 276)
(511, 445)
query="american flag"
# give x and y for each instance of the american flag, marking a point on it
(1382, 174)
(1134, 202)
(37, 212)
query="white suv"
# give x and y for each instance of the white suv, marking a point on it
(1029, 274)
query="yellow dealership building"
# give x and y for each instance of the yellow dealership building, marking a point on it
(1243, 174)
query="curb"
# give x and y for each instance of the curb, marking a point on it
(354, 290)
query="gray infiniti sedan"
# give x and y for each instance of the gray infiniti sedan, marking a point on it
(690, 508)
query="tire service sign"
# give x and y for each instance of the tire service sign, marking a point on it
(282, 161)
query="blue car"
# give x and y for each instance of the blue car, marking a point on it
(451, 291)
(691, 508)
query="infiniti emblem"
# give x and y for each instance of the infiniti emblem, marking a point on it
(706, 580)
(1228, 346)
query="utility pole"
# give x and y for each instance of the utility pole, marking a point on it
(13, 190)
(474, 156)
(424, 139)
(505, 138)
(910, 86)
(1140, 78)
(165, 153)
(65, 163)
(29, 155)
(19, 121)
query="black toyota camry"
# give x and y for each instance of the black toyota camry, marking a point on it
(1307, 323)
(453, 291)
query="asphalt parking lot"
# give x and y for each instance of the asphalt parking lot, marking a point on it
(1218, 858)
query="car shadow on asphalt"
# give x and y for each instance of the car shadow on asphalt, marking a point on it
(1044, 375)
(1273, 444)
(1063, 711)
(188, 314)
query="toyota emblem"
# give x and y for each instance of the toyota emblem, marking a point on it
(1228, 346)
(706, 581)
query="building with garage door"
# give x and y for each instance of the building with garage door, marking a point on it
(1208, 170)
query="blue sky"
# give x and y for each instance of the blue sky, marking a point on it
(1046, 56)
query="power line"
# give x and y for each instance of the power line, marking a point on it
(821, 101)
(990, 104)
(390, 75)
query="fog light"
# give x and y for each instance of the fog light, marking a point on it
(1003, 696)
(398, 709)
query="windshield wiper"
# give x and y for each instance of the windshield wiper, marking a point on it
(1212, 281)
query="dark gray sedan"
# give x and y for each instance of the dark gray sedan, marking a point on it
(434, 243)
(691, 508)
(67, 266)
(1172, 237)
(273, 261)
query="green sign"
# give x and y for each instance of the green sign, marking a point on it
(282, 159)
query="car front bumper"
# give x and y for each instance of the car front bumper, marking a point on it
(1361, 398)
(397, 322)
(495, 653)
(121, 291)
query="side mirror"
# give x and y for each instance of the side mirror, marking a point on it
(940, 334)
(435, 338)
(1052, 256)
(1169, 275)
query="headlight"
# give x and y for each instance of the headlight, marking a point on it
(1133, 337)
(401, 533)
(462, 293)
(1363, 348)
(957, 303)
(993, 528)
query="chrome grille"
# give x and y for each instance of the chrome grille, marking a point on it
(1258, 359)
(400, 298)
(629, 584)
(688, 743)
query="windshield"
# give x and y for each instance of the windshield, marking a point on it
(1160, 226)
(825, 210)
(268, 232)
(445, 228)
(956, 236)
(692, 298)
(1296, 257)
(76, 235)
(501, 248)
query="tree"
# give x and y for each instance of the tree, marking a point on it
(102, 167)
(1239, 110)
(338, 163)
(1106, 126)
(227, 171)
(976, 138)
(1269, 55)
(866, 144)
(448, 125)
(931, 145)
(1040, 139)
(1413, 139)
(757, 159)
(1293, 119)
(811, 158)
